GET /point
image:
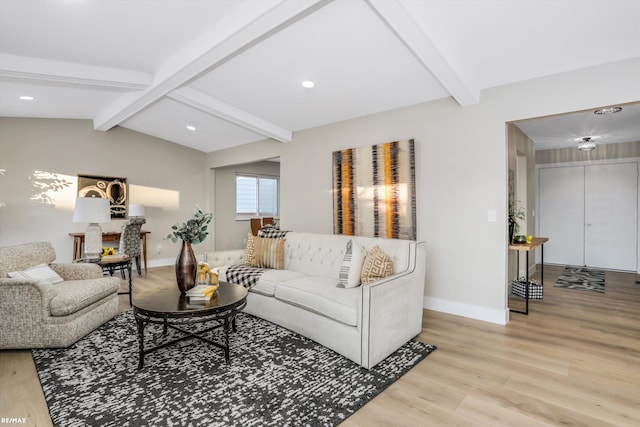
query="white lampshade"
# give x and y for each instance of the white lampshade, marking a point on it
(92, 210)
(136, 210)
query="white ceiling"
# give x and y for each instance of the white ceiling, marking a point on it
(233, 68)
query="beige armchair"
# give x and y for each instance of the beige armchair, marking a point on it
(35, 313)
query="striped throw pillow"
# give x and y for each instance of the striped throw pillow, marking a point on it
(269, 253)
(349, 275)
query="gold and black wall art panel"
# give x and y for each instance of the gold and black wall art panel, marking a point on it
(374, 191)
(112, 188)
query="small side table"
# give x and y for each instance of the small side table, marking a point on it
(536, 242)
(122, 265)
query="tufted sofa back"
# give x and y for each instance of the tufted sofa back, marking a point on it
(21, 257)
(322, 254)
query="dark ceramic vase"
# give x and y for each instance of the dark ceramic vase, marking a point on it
(186, 267)
(512, 229)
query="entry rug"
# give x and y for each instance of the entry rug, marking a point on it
(590, 279)
(275, 378)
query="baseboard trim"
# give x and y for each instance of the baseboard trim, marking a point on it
(500, 317)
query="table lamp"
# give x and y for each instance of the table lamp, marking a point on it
(92, 210)
(136, 210)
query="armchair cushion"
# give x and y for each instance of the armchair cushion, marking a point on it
(41, 272)
(74, 295)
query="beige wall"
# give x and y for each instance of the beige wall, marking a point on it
(232, 233)
(43, 157)
(461, 172)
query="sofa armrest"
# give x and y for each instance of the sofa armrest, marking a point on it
(392, 309)
(224, 258)
(77, 271)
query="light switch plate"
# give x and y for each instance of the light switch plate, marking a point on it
(492, 215)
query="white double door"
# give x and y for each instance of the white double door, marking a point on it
(590, 214)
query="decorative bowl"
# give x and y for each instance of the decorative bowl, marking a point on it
(520, 239)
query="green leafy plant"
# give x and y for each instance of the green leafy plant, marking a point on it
(516, 213)
(194, 230)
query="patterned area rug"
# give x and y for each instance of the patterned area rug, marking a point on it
(275, 378)
(589, 279)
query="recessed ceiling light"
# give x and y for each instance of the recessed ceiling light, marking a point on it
(609, 110)
(308, 84)
(27, 98)
(191, 128)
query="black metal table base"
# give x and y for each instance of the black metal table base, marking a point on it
(526, 291)
(226, 321)
(122, 267)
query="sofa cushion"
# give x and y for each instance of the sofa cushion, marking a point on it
(39, 273)
(320, 295)
(270, 278)
(74, 295)
(377, 265)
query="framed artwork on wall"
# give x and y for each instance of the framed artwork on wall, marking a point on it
(113, 188)
(374, 191)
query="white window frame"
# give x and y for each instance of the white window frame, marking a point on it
(258, 213)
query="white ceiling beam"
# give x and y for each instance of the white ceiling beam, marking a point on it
(247, 25)
(210, 105)
(24, 67)
(396, 17)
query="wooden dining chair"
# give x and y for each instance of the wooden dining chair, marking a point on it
(256, 225)
(267, 220)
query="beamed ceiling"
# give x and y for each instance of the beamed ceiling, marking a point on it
(233, 69)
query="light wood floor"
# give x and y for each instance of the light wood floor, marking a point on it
(574, 360)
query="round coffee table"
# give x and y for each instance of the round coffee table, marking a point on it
(172, 310)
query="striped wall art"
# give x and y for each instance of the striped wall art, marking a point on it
(374, 191)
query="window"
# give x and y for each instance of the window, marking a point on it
(256, 195)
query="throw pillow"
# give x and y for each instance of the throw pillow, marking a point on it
(40, 272)
(269, 253)
(376, 266)
(351, 268)
(272, 233)
(249, 256)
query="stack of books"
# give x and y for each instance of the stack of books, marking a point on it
(201, 293)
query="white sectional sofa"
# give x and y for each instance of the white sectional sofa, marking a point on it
(365, 323)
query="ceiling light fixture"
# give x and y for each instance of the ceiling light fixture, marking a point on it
(26, 98)
(586, 144)
(191, 128)
(608, 110)
(308, 84)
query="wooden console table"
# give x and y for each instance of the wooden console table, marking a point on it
(109, 236)
(536, 242)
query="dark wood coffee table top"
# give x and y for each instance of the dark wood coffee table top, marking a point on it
(169, 302)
